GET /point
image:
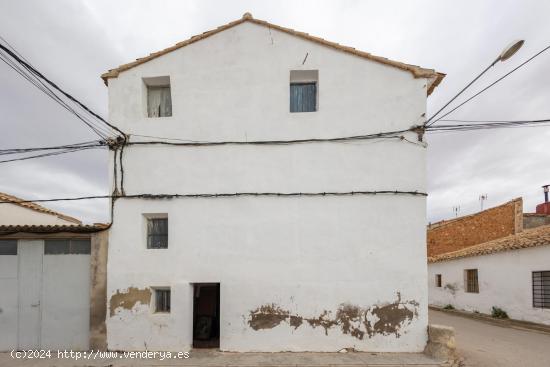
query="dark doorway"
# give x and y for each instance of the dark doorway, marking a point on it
(206, 315)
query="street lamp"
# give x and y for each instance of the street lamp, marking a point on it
(508, 52)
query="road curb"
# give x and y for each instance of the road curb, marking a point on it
(511, 323)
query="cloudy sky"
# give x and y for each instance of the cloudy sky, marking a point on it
(73, 42)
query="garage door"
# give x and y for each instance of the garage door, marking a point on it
(45, 294)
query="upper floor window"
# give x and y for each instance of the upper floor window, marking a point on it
(157, 232)
(159, 96)
(8, 247)
(304, 90)
(67, 247)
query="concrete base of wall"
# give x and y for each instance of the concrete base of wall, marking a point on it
(441, 343)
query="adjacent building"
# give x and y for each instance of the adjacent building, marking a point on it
(52, 277)
(255, 214)
(509, 270)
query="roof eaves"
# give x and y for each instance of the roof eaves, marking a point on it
(58, 228)
(33, 206)
(434, 77)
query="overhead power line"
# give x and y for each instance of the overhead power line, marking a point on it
(41, 78)
(58, 147)
(487, 87)
(483, 125)
(51, 153)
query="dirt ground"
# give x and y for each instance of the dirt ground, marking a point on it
(486, 345)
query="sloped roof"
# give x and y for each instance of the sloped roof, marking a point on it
(434, 77)
(53, 228)
(539, 236)
(25, 204)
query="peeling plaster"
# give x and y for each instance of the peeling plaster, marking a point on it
(384, 319)
(127, 300)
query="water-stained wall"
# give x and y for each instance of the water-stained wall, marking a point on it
(323, 263)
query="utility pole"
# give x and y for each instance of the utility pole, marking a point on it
(456, 210)
(482, 198)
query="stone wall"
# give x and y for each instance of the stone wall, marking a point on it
(490, 224)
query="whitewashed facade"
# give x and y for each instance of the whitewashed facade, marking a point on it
(516, 281)
(298, 273)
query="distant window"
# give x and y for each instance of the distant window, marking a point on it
(472, 285)
(541, 289)
(8, 247)
(162, 300)
(438, 280)
(157, 232)
(303, 90)
(159, 96)
(67, 247)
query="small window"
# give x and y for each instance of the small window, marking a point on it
(303, 90)
(438, 280)
(157, 232)
(67, 247)
(8, 247)
(159, 96)
(162, 300)
(472, 285)
(541, 289)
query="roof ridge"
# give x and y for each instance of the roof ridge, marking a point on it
(33, 206)
(418, 72)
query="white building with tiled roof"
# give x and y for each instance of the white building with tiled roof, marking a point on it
(262, 210)
(510, 273)
(20, 212)
(52, 279)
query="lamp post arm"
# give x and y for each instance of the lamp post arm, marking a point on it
(462, 91)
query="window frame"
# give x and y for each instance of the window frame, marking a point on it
(164, 293)
(544, 301)
(438, 280)
(157, 82)
(148, 235)
(12, 244)
(304, 83)
(471, 280)
(72, 249)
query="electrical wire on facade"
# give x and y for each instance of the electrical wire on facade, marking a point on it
(226, 195)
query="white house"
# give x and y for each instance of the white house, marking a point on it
(511, 273)
(249, 218)
(52, 278)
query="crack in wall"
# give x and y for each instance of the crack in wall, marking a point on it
(385, 319)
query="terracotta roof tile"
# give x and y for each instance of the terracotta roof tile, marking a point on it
(535, 237)
(39, 208)
(79, 228)
(434, 77)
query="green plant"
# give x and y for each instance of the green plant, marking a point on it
(499, 313)
(449, 307)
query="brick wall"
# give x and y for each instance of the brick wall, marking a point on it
(490, 224)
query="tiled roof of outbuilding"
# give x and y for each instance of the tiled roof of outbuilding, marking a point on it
(535, 237)
(39, 208)
(434, 77)
(55, 228)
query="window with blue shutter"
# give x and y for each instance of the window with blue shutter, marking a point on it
(303, 97)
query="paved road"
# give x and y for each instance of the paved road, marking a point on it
(486, 345)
